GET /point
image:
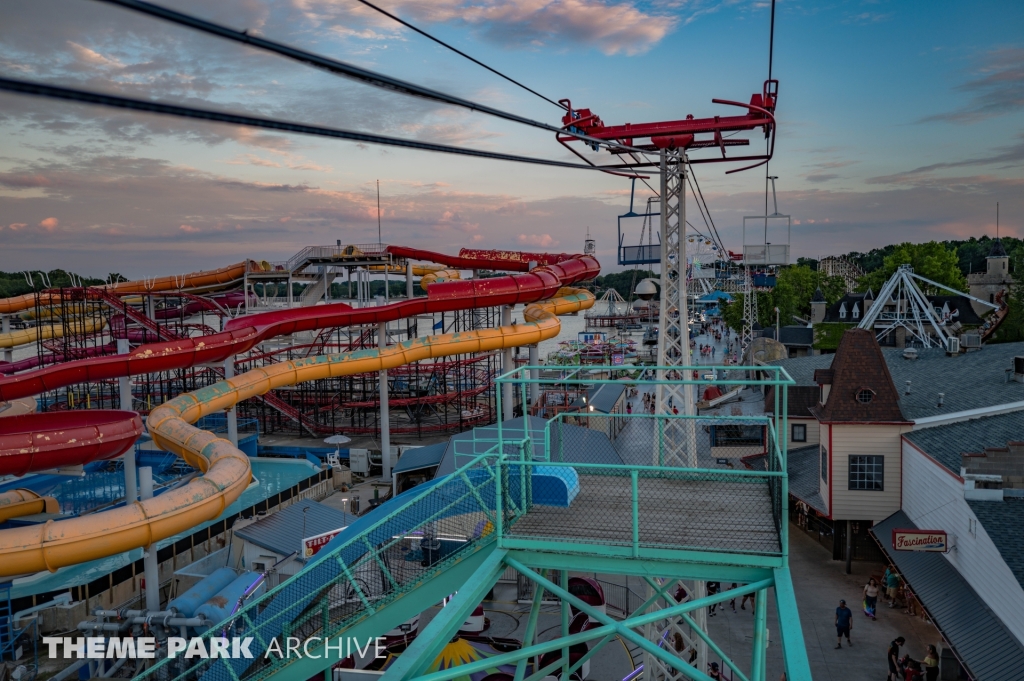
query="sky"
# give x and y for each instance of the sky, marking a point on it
(898, 121)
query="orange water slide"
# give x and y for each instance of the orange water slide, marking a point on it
(193, 282)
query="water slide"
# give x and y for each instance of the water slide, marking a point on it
(226, 469)
(194, 282)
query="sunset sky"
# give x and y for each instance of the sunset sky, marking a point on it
(897, 121)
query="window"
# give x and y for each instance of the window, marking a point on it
(799, 432)
(842, 311)
(824, 465)
(865, 395)
(866, 473)
(856, 312)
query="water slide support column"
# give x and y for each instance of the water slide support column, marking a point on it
(124, 386)
(408, 280)
(385, 419)
(231, 414)
(5, 320)
(506, 366)
(150, 568)
(534, 373)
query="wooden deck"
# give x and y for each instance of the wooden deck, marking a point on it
(704, 515)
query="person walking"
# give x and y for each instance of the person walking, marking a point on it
(931, 664)
(870, 597)
(892, 586)
(733, 601)
(894, 659)
(844, 623)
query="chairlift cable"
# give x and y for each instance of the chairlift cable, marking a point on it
(457, 51)
(341, 68)
(75, 95)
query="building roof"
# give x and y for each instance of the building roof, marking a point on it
(859, 365)
(818, 296)
(802, 466)
(602, 397)
(799, 400)
(946, 443)
(997, 250)
(974, 380)
(282, 532)
(1002, 521)
(797, 335)
(714, 296)
(853, 304)
(420, 458)
(980, 638)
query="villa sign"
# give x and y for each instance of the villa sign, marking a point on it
(920, 540)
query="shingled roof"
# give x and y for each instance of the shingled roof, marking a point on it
(799, 400)
(859, 365)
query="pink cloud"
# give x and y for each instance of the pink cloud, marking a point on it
(189, 229)
(16, 226)
(49, 224)
(542, 240)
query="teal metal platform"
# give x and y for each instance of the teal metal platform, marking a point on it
(521, 505)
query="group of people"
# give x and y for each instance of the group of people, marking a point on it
(901, 667)
(707, 351)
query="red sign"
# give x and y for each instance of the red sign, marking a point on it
(920, 540)
(312, 545)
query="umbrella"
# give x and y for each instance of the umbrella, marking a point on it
(337, 440)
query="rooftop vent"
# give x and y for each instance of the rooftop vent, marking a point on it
(942, 398)
(907, 391)
(1018, 369)
(910, 353)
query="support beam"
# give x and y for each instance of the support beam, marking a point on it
(151, 568)
(408, 280)
(507, 405)
(798, 668)
(231, 413)
(625, 628)
(644, 568)
(757, 664)
(531, 629)
(385, 418)
(415, 660)
(124, 387)
(5, 327)
(534, 374)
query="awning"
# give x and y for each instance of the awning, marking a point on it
(979, 638)
(420, 458)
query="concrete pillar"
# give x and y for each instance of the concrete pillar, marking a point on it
(150, 567)
(6, 322)
(385, 432)
(534, 373)
(387, 266)
(150, 307)
(232, 414)
(124, 385)
(408, 280)
(506, 366)
(849, 546)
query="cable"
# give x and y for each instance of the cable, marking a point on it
(714, 228)
(70, 94)
(342, 69)
(458, 52)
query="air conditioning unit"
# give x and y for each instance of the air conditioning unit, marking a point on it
(359, 461)
(952, 346)
(1018, 369)
(970, 341)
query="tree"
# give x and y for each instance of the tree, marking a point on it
(932, 260)
(624, 282)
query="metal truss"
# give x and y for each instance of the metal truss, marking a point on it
(901, 304)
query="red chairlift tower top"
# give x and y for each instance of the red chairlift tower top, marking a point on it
(686, 134)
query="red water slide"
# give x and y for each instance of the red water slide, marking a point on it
(34, 442)
(241, 334)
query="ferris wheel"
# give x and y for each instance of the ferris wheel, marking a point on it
(701, 254)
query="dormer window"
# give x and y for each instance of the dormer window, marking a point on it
(856, 312)
(842, 311)
(865, 395)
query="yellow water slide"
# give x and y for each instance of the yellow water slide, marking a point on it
(226, 471)
(32, 334)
